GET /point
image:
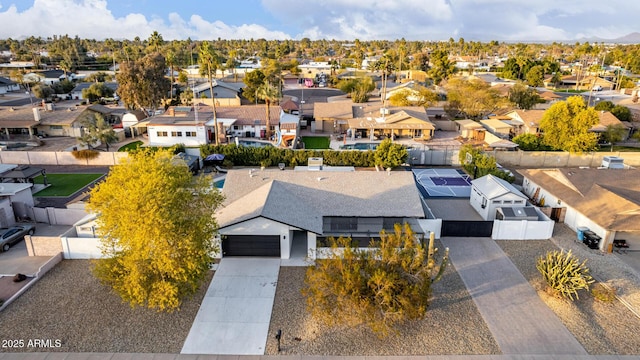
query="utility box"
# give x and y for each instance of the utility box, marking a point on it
(612, 162)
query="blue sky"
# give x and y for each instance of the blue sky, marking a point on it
(483, 20)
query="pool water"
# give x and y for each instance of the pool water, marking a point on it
(219, 183)
(254, 143)
(360, 146)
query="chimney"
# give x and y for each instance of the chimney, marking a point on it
(36, 114)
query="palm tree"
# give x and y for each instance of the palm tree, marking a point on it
(269, 94)
(155, 41)
(208, 61)
(171, 60)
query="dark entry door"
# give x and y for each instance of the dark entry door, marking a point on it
(251, 245)
(467, 228)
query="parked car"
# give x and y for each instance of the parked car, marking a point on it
(13, 235)
(597, 88)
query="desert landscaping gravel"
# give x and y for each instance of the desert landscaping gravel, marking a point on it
(68, 304)
(602, 328)
(452, 325)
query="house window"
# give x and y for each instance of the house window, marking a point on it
(176, 134)
(388, 223)
(496, 201)
(190, 134)
(55, 127)
(507, 202)
(343, 224)
(518, 201)
(236, 127)
(162, 134)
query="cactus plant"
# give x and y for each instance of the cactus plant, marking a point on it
(564, 273)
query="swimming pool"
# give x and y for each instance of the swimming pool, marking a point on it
(250, 143)
(360, 146)
(219, 183)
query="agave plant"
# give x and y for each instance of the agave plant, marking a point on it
(564, 273)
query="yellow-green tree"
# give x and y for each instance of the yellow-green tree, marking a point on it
(156, 225)
(566, 126)
(382, 287)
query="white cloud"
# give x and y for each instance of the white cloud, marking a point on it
(505, 20)
(92, 19)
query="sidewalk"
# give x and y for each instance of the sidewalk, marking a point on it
(519, 321)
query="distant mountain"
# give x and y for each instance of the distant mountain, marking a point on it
(633, 38)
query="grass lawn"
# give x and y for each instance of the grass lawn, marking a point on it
(316, 142)
(65, 184)
(607, 148)
(131, 146)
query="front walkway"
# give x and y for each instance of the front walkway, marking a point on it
(235, 313)
(518, 319)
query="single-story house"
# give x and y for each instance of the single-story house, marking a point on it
(372, 120)
(26, 122)
(608, 119)
(269, 212)
(497, 127)
(226, 94)
(76, 93)
(604, 200)
(470, 129)
(48, 77)
(489, 193)
(525, 121)
(8, 85)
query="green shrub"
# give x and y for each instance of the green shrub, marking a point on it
(86, 154)
(602, 293)
(564, 273)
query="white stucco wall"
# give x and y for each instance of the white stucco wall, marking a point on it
(573, 218)
(155, 140)
(81, 248)
(261, 226)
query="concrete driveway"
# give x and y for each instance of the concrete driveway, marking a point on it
(18, 261)
(235, 313)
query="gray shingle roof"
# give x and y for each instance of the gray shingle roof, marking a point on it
(301, 199)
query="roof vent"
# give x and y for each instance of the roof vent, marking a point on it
(36, 114)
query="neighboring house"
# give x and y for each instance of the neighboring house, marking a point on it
(188, 125)
(470, 129)
(525, 121)
(372, 120)
(607, 119)
(470, 62)
(27, 122)
(225, 94)
(489, 193)
(497, 127)
(16, 203)
(528, 122)
(8, 85)
(48, 77)
(269, 212)
(581, 82)
(195, 126)
(604, 200)
(76, 93)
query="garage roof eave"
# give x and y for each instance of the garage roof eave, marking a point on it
(264, 217)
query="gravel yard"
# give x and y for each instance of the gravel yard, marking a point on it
(70, 305)
(453, 325)
(601, 328)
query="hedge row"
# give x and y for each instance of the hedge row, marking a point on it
(268, 156)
